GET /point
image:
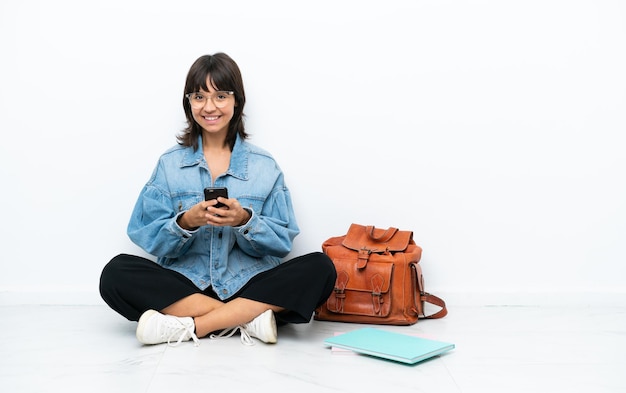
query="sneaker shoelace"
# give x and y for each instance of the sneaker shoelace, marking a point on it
(246, 339)
(182, 330)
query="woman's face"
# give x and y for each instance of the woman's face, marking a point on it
(212, 109)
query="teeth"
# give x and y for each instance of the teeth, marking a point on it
(211, 118)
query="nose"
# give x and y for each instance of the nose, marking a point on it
(209, 105)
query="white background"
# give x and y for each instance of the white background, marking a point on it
(492, 129)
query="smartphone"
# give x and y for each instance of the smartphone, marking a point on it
(214, 192)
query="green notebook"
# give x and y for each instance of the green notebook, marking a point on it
(389, 345)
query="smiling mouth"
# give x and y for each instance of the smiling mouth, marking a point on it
(211, 118)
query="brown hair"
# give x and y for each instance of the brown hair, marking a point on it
(225, 75)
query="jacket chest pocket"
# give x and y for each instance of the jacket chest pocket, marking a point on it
(186, 202)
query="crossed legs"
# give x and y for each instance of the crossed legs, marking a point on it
(211, 315)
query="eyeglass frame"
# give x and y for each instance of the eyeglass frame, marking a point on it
(209, 96)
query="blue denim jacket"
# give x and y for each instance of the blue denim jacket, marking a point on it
(222, 257)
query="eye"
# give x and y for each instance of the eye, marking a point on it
(197, 97)
(221, 96)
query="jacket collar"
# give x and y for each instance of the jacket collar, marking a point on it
(238, 159)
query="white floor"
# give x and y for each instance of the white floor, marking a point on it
(498, 349)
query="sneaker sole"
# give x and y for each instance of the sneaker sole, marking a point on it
(141, 326)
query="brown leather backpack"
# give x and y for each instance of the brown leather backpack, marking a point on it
(379, 279)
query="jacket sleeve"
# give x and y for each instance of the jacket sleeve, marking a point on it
(153, 225)
(272, 229)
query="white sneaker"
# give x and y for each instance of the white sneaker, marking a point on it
(262, 327)
(157, 328)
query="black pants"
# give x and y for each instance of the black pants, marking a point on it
(132, 285)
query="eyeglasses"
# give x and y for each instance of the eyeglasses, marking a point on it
(219, 98)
